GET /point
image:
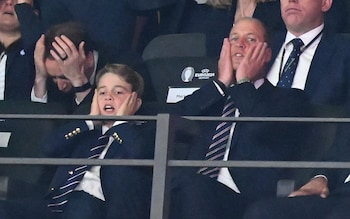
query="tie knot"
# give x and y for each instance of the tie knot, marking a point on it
(297, 43)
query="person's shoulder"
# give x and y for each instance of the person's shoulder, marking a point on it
(338, 42)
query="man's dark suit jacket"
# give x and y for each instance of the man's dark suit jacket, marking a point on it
(328, 77)
(252, 140)
(217, 23)
(135, 141)
(19, 71)
(121, 185)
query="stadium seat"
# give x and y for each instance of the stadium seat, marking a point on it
(21, 138)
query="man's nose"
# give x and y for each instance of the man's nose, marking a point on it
(240, 44)
(10, 2)
(61, 84)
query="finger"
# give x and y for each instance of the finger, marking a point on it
(64, 43)
(40, 43)
(132, 103)
(225, 48)
(123, 108)
(94, 105)
(41, 40)
(324, 193)
(61, 47)
(69, 44)
(131, 100)
(262, 54)
(55, 56)
(293, 194)
(255, 50)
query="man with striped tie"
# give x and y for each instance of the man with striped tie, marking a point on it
(81, 191)
(239, 90)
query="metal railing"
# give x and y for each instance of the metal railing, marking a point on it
(163, 152)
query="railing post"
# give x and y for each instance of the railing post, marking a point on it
(161, 176)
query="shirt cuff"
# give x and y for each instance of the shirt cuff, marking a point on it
(320, 176)
(118, 123)
(38, 99)
(90, 124)
(219, 88)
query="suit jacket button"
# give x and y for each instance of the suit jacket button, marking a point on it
(70, 172)
(52, 189)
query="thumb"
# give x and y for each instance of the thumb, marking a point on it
(324, 193)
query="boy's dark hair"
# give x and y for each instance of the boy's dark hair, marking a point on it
(128, 74)
(75, 31)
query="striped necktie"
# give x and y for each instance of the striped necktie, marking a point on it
(59, 199)
(291, 65)
(219, 141)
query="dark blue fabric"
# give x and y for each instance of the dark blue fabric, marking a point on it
(288, 72)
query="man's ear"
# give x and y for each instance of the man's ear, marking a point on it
(326, 5)
(90, 59)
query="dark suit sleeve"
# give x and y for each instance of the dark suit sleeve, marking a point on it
(142, 5)
(336, 17)
(339, 152)
(31, 25)
(132, 141)
(269, 101)
(127, 189)
(63, 141)
(207, 101)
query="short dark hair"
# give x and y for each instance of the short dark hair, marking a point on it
(127, 73)
(75, 31)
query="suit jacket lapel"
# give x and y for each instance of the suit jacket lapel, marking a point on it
(317, 70)
(276, 45)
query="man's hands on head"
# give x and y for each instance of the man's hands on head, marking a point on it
(41, 74)
(70, 60)
(252, 65)
(225, 68)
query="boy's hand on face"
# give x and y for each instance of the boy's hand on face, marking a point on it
(95, 110)
(129, 106)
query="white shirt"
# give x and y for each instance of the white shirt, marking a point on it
(3, 59)
(201, 1)
(91, 182)
(304, 61)
(224, 174)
